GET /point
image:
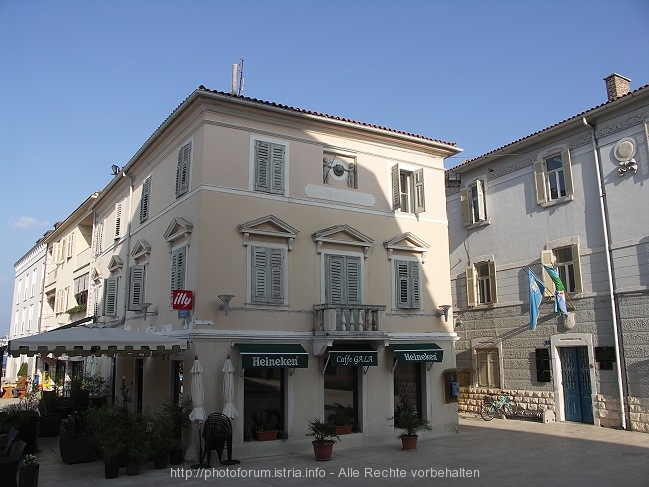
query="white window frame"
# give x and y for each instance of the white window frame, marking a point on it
(253, 166)
(413, 199)
(548, 257)
(414, 294)
(542, 177)
(269, 301)
(469, 202)
(473, 279)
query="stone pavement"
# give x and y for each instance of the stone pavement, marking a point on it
(500, 452)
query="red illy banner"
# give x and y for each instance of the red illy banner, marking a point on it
(182, 299)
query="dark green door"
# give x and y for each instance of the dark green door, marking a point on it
(576, 384)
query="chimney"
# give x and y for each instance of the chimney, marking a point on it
(617, 86)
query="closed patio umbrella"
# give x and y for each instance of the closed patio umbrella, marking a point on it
(228, 390)
(198, 399)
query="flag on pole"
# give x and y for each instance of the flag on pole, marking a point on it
(560, 291)
(536, 295)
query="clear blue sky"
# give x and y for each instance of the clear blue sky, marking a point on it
(84, 83)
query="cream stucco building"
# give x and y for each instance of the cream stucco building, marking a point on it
(329, 235)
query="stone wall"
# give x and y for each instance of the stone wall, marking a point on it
(472, 398)
(639, 414)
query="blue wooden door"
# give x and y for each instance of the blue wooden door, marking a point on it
(576, 384)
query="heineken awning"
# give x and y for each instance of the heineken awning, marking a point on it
(274, 355)
(353, 355)
(418, 352)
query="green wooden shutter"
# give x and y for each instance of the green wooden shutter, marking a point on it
(144, 199)
(414, 277)
(278, 152)
(259, 269)
(178, 268)
(492, 282)
(276, 262)
(465, 204)
(110, 296)
(396, 188)
(118, 221)
(182, 170)
(262, 157)
(403, 294)
(539, 181)
(136, 291)
(471, 295)
(420, 200)
(567, 172)
(353, 280)
(335, 279)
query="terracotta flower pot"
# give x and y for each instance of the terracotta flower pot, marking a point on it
(266, 435)
(409, 443)
(344, 430)
(323, 450)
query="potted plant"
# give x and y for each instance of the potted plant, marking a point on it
(405, 417)
(343, 419)
(179, 416)
(265, 425)
(162, 438)
(107, 425)
(324, 437)
(24, 416)
(29, 472)
(136, 441)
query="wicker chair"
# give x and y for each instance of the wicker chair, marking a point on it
(217, 433)
(9, 464)
(75, 444)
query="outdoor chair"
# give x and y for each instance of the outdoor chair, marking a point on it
(217, 433)
(50, 422)
(6, 441)
(9, 465)
(75, 444)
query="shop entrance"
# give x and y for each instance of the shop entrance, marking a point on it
(341, 391)
(407, 386)
(576, 384)
(263, 400)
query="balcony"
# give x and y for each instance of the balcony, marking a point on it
(347, 322)
(51, 278)
(83, 259)
(349, 317)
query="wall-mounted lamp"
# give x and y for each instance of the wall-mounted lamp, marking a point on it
(145, 310)
(444, 312)
(226, 302)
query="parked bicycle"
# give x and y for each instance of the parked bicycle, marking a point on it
(502, 405)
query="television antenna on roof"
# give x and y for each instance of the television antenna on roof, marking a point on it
(237, 78)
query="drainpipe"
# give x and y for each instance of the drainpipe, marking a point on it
(609, 270)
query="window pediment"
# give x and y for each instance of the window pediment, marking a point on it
(342, 235)
(268, 226)
(141, 250)
(178, 228)
(95, 275)
(115, 263)
(407, 242)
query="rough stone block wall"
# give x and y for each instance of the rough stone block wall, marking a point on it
(639, 414)
(472, 398)
(607, 411)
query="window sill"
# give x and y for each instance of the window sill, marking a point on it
(479, 224)
(558, 201)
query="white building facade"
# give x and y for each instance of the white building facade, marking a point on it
(569, 196)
